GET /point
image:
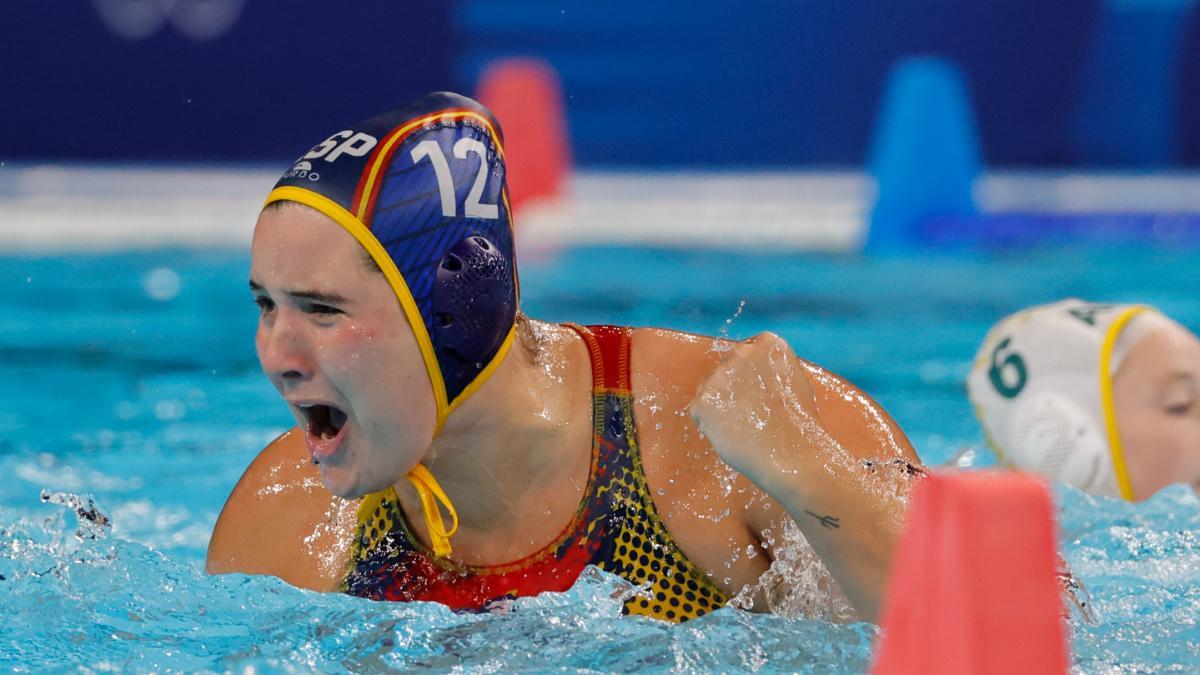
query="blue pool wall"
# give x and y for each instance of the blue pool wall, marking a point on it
(1070, 83)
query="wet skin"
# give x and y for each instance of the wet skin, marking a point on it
(1156, 392)
(514, 458)
(334, 334)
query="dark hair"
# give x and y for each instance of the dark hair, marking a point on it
(531, 345)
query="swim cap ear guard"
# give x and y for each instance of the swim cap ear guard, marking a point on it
(1056, 437)
(473, 307)
(423, 189)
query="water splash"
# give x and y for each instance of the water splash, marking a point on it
(737, 313)
(137, 610)
(1141, 565)
(92, 522)
(797, 585)
(964, 458)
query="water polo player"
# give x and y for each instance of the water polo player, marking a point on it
(1105, 397)
(448, 448)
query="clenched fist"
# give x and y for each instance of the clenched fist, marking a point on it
(758, 411)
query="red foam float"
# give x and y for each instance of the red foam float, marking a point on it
(526, 97)
(972, 586)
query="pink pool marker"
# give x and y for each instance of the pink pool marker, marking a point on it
(525, 96)
(973, 587)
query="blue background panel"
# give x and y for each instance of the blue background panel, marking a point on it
(721, 84)
(279, 79)
(785, 82)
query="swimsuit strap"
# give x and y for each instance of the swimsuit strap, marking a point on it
(609, 348)
(616, 527)
(641, 549)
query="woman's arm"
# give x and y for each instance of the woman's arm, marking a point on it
(847, 491)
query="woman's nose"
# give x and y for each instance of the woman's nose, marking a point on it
(282, 353)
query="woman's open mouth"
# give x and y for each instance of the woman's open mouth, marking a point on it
(325, 429)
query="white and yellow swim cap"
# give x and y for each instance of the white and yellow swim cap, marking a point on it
(1041, 386)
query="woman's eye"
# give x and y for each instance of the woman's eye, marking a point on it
(322, 309)
(265, 304)
(1180, 408)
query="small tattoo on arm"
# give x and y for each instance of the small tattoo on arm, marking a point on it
(828, 522)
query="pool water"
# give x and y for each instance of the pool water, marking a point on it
(130, 379)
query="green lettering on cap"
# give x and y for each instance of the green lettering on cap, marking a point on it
(1012, 363)
(1087, 313)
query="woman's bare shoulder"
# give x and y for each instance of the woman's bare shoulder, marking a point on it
(685, 359)
(280, 520)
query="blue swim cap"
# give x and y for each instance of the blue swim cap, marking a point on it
(423, 189)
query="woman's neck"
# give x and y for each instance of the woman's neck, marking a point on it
(518, 441)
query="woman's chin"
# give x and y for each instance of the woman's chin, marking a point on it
(341, 483)
(348, 484)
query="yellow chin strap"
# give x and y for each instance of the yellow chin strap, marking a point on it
(1120, 468)
(431, 493)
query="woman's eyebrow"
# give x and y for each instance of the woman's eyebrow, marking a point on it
(313, 296)
(317, 296)
(1187, 379)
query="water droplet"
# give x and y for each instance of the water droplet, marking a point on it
(729, 322)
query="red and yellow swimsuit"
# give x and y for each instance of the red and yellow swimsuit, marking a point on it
(616, 527)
